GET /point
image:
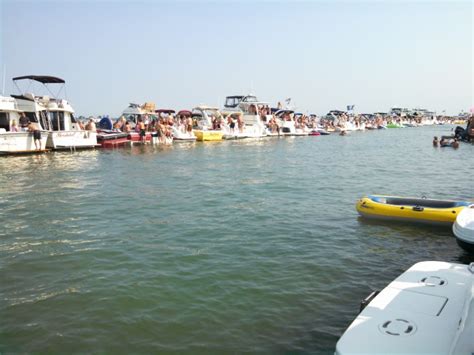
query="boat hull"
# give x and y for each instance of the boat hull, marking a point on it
(20, 142)
(463, 229)
(411, 210)
(203, 136)
(426, 310)
(71, 139)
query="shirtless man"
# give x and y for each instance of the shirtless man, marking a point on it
(34, 128)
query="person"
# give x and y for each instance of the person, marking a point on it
(14, 126)
(141, 126)
(455, 144)
(126, 127)
(231, 123)
(189, 125)
(252, 109)
(24, 121)
(33, 127)
(90, 126)
(81, 125)
(435, 141)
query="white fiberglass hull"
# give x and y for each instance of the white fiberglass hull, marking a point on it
(179, 135)
(71, 139)
(463, 228)
(429, 309)
(18, 142)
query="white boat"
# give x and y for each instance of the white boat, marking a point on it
(54, 115)
(14, 140)
(463, 229)
(209, 123)
(246, 108)
(286, 120)
(429, 309)
(182, 133)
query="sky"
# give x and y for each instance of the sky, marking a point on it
(323, 55)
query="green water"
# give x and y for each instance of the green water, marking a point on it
(224, 247)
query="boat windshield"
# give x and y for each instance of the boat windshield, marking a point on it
(214, 113)
(232, 101)
(32, 116)
(57, 120)
(250, 99)
(5, 121)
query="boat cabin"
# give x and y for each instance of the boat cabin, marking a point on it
(232, 102)
(8, 113)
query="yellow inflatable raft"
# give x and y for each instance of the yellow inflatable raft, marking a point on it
(410, 209)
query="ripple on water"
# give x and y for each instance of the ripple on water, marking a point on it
(228, 247)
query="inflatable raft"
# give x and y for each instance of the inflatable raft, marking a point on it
(410, 209)
(463, 229)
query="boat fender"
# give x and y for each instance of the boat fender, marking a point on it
(418, 209)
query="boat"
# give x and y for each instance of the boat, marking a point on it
(428, 309)
(287, 124)
(136, 112)
(410, 209)
(463, 229)
(54, 115)
(108, 137)
(183, 130)
(394, 125)
(14, 139)
(245, 112)
(209, 122)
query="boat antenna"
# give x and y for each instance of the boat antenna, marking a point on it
(3, 84)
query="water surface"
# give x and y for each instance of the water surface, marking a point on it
(236, 246)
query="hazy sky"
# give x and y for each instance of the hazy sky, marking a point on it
(179, 54)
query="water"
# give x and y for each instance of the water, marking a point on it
(239, 246)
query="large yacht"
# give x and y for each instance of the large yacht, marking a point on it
(54, 115)
(249, 111)
(14, 139)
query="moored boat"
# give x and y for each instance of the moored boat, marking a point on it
(209, 123)
(463, 229)
(410, 209)
(54, 115)
(429, 309)
(244, 117)
(13, 138)
(183, 129)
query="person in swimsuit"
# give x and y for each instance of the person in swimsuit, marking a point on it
(33, 127)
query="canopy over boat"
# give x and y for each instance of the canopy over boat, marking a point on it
(184, 113)
(44, 79)
(165, 110)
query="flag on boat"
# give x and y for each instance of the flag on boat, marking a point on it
(350, 107)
